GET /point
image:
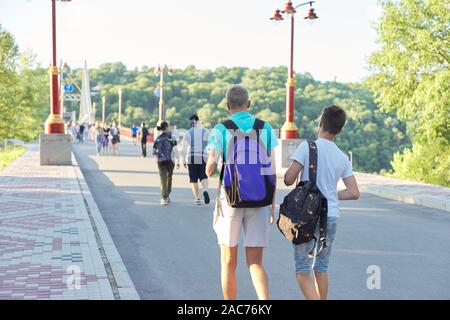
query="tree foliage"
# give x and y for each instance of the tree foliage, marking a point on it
(412, 78)
(24, 92)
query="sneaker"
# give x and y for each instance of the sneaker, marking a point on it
(163, 202)
(168, 200)
(198, 202)
(206, 197)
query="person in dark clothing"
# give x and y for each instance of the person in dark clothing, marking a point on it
(164, 148)
(143, 134)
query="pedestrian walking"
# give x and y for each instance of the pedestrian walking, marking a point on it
(81, 133)
(115, 139)
(92, 133)
(99, 136)
(165, 152)
(143, 134)
(134, 132)
(105, 145)
(195, 141)
(332, 165)
(73, 130)
(78, 131)
(246, 189)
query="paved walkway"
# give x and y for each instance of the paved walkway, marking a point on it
(171, 252)
(53, 241)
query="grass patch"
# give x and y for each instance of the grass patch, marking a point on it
(10, 153)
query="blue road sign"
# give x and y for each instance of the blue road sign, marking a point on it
(157, 92)
(68, 87)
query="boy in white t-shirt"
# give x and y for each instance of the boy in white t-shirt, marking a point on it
(332, 165)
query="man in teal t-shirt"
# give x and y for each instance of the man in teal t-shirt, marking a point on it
(255, 221)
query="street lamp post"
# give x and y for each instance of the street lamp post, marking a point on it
(94, 110)
(289, 129)
(103, 109)
(54, 144)
(160, 71)
(120, 107)
(54, 122)
(63, 70)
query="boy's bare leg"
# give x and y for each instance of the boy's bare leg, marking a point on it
(322, 284)
(307, 286)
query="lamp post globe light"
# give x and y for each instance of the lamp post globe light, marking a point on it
(55, 145)
(289, 130)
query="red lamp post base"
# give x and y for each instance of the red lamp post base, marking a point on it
(289, 131)
(54, 124)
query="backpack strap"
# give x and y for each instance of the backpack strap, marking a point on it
(323, 201)
(312, 161)
(192, 137)
(258, 126)
(229, 125)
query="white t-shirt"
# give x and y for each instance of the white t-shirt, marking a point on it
(332, 164)
(198, 139)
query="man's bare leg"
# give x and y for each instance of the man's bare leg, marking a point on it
(195, 190)
(259, 276)
(228, 257)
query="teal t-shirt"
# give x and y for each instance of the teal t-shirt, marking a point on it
(244, 121)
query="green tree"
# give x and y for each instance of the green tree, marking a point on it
(412, 78)
(24, 95)
(9, 54)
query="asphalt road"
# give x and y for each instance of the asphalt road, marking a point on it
(172, 253)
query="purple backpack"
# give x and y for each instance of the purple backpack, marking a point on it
(247, 170)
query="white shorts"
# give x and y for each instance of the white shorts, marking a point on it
(254, 221)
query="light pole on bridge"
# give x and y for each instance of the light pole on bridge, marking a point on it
(103, 109)
(54, 122)
(289, 129)
(120, 107)
(159, 70)
(54, 144)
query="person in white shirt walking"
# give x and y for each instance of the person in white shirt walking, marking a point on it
(194, 145)
(332, 165)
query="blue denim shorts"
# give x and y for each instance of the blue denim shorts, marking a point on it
(304, 263)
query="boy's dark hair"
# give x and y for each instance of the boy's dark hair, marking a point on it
(194, 117)
(163, 126)
(333, 119)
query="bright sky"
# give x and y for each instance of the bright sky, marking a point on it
(205, 33)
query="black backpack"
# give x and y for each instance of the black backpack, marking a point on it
(164, 145)
(305, 207)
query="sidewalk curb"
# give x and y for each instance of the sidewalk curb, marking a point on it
(417, 199)
(121, 283)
